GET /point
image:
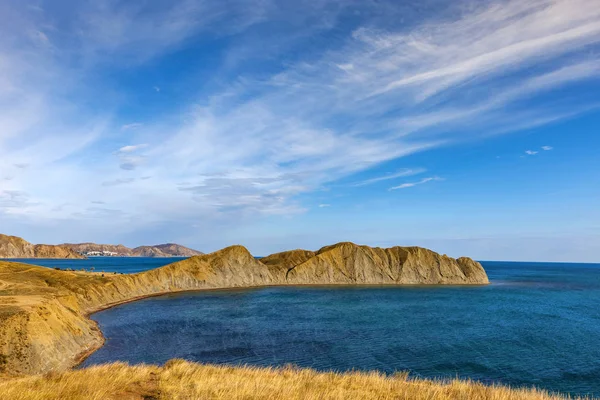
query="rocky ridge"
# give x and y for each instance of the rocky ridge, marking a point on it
(43, 312)
(16, 247)
(161, 250)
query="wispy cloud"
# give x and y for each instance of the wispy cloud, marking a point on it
(412, 184)
(254, 143)
(547, 148)
(531, 152)
(400, 174)
(135, 32)
(13, 198)
(128, 159)
(132, 126)
(324, 205)
(132, 148)
(118, 182)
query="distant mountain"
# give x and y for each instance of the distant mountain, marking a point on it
(15, 247)
(161, 250)
(165, 250)
(85, 248)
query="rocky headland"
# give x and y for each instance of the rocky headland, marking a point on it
(15, 247)
(44, 324)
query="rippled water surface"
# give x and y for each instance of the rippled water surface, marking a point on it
(536, 324)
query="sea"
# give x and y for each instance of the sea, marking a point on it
(125, 265)
(536, 324)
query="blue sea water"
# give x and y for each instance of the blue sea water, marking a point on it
(126, 265)
(536, 324)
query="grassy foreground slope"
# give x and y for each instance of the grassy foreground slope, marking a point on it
(43, 312)
(179, 380)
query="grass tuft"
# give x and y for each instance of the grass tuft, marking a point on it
(182, 380)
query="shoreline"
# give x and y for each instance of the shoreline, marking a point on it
(54, 330)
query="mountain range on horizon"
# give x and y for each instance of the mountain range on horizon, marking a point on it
(16, 247)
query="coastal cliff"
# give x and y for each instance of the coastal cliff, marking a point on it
(43, 312)
(15, 247)
(348, 263)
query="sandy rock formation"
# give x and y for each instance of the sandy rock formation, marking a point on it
(352, 264)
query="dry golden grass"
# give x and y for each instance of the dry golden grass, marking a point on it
(180, 380)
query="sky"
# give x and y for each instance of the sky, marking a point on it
(468, 127)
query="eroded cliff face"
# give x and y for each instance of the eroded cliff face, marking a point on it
(349, 263)
(15, 247)
(43, 312)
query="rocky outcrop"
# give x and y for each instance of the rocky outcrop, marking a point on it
(43, 312)
(15, 247)
(352, 264)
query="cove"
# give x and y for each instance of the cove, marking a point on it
(536, 324)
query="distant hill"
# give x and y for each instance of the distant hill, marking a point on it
(15, 247)
(84, 248)
(161, 250)
(165, 250)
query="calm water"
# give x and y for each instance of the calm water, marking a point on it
(126, 265)
(537, 324)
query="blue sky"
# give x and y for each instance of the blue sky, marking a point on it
(468, 127)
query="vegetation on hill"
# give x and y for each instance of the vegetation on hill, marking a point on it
(181, 380)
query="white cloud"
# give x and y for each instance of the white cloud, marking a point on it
(129, 161)
(132, 148)
(132, 126)
(531, 152)
(412, 184)
(547, 148)
(400, 174)
(493, 40)
(324, 205)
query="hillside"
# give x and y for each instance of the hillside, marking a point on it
(43, 312)
(15, 247)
